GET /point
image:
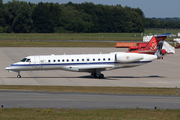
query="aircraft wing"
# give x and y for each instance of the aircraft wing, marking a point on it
(94, 68)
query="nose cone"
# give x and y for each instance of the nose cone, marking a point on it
(7, 68)
(10, 67)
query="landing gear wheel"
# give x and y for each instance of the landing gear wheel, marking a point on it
(18, 76)
(94, 75)
(101, 76)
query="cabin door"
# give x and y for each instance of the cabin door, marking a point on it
(37, 62)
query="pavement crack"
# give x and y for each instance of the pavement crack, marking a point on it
(2, 81)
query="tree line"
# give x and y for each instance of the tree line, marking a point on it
(167, 23)
(22, 17)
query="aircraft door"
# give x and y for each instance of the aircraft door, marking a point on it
(37, 62)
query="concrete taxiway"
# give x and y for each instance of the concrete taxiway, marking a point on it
(159, 73)
(29, 99)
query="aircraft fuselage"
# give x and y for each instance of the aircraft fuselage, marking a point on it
(81, 63)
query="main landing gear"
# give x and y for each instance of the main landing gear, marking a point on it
(18, 76)
(95, 75)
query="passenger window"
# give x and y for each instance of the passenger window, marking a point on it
(58, 60)
(93, 59)
(104, 59)
(99, 59)
(54, 60)
(67, 60)
(82, 59)
(77, 59)
(63, 60)
(87, 59)
(72, 60)
(109, 59)
(49, 60)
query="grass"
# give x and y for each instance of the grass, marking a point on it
(50, 39)
(102, 114)
(87, 89)
(82, 36)
(54, 44)
(161, 31)
(70, 36)
(42, 40)
(99, 114)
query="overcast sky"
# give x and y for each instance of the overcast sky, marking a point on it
(151, 8)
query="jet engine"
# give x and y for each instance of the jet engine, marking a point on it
(128, 57)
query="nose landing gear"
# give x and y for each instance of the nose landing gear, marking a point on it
(18, 76)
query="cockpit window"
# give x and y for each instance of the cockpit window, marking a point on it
(24, 59)
(28, 60)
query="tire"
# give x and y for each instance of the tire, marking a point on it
(101, 76)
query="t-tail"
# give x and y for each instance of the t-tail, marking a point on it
(154, 47)
(150, 48)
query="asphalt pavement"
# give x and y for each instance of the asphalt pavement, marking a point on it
(60, 100)
(158, 73)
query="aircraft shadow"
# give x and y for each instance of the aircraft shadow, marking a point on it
(90, 77)
(152, 76)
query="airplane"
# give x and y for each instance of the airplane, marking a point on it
(152, 46)
(92, 63)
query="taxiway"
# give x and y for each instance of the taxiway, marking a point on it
(60, 100)
(159, 73)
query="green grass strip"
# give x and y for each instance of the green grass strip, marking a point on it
(88, 89)
(74, 114)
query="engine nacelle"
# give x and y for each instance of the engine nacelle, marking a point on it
(128, 57)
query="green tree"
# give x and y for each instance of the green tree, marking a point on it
(18, 16)
(42, 20)
(2, 18)
(55, 12)
(1, 3)
(74, 20)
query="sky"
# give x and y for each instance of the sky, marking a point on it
(151, 8)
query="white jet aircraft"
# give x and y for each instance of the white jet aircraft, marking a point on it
(92, 63)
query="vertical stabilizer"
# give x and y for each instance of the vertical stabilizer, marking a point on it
(152, 45)
(150, 48)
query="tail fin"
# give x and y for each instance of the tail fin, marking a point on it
(152, 45)
(155, 47)
(150, 48)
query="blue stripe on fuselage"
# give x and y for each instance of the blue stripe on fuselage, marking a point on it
(92, 63)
